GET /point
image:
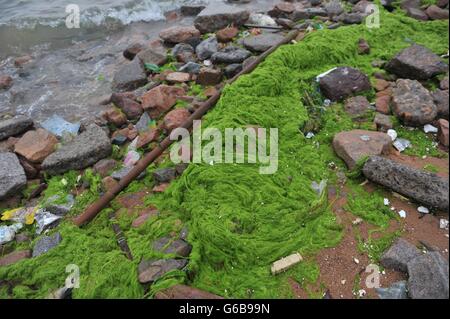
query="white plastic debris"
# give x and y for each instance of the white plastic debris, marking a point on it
(361, 293)
(365, 138)
(319, 188)
(386, 202)
(7, 233)
(443, 223)
(428, 128)
(133, 145)
(44, 219)
(285, 263)
(356, 260)
(326, 102)
(423, 210)
(357, 221)
(324, 74)
(401, 144)
(131, 159)
(309, 135)
(343, 281)
(402, 213)
(207, 63)
(392, 134)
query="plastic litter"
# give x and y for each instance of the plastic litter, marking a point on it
(319, 188)
(402, 213)
(207, 63)
(7, 233)
(365, 138)
(324, 74)
(20, 215)
(326, 102)
(401, 144)
(262, 20)
(57, 126)
(44, 219)
(443, 223)
(386, 202)
(309, 135)
(395, 291)
(392, 134)
(131, 158)
(423, 210)
(428, 128)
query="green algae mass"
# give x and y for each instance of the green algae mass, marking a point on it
(240, 221)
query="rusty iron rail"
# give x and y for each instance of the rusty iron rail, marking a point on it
(150, 157)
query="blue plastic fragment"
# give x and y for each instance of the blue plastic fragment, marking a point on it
(57, 126)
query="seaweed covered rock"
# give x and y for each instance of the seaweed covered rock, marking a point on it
(412, 103)
(178, 247)
(150, 271)
(185, 292)
(428, 277)
(354, 145)
(130, 76)
(14, 126)
(424, 187)
(342, 82)
(416, 62)
(12, 175)
(218, 16)
(399, 254)
(46, 243)
(85, 150)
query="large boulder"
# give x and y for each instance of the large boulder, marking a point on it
(416, 62)
(12, 175)
(412, 103)
(436, 13)
(343, 82)
(424, 187)
(130, 76)
(35, 146)
(14, 126)
(428, 277)
(262, 42)
(85, 150)
(218, 16)
(354, 145)
(399, 254)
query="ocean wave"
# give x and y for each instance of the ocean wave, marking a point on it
(124, 14)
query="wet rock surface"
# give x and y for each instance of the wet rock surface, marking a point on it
(130, 76)
(218, 16)
(14, 126)
(12, 175)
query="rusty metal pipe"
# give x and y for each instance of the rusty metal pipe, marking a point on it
(150, 157)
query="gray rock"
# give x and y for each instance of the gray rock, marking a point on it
(428, 277)
(232, 69)
(12, 175)
(350, 18)
(121, 173)
(54, 205)
(191, 68)
(262, 42)
(154, 55)
(416, 62)
(412, 103)
(383, 122)
(308, 13)
(143, 124)
(14, 126)
(184, 52)
(184, 233)
(399, 254)
(396, 291)
(357, 106)
(85, 150)
(178, 247)
(207, 48)
(130, 76)
(164, 175)
(416, 13)
(422, 186)
(218, 16)
(119, 139)
(230, 55)
(46, 243)
(191, 10)
(333, 8)
(440, 98)
(152, 271)
(443, 85)
(343, 82)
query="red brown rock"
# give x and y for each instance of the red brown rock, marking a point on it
(160, 99)
(382, 104)
(125, 102)
(14, 257)
(227, 34)
(21, 61)
(443, 132)
(354, 145)
(381, 85)
(29, 168)
(185, 292)
(130, 52)
(109, 183)
(178, 77)
(175, 118)
(436, 13)
(147, 137)
(144, 216)
(160, 188)
(5, 82)
(356, 106)
(115, 116)
(209, 76)
(35, 146)
(176, 35)
(363, 47)
(104, 166)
